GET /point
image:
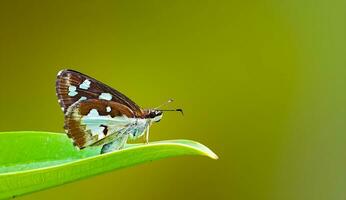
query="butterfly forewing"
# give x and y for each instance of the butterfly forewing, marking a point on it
(73, 86)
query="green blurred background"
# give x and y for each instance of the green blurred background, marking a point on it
(262, 83)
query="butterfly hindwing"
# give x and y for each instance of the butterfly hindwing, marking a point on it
(95, 121)
(73, 86)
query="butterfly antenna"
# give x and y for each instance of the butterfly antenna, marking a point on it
(175, 110)
(169, 101)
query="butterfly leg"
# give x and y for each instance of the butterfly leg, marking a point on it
(147, 135)
(117, 144)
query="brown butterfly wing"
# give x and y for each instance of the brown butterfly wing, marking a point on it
(83, 135)
(73, 86)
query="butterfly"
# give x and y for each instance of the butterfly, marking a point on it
(98, 115)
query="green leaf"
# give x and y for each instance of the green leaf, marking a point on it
(32, 161)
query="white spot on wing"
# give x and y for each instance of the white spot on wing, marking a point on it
(60, 72)
(82, 99)
(93, 113)
(72, 91)
(85, 85)
(93, 122)
(105, 96)
(109, 109)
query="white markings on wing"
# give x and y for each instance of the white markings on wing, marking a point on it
(60, 72)
(82, 99)
(105, 96)
(93, 122)
(108, 109)
(72, 91)
(119, 124)
(85, 85)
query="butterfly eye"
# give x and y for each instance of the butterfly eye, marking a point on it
(152, 115)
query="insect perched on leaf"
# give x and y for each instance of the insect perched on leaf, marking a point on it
(96, 114)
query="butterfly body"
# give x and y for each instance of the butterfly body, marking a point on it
(96, 114)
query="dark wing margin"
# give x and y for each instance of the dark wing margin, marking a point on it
(73, 86)
(86, 134)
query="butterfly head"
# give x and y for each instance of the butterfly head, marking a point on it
(154, 115)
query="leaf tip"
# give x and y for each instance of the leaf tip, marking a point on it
(211, 154)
